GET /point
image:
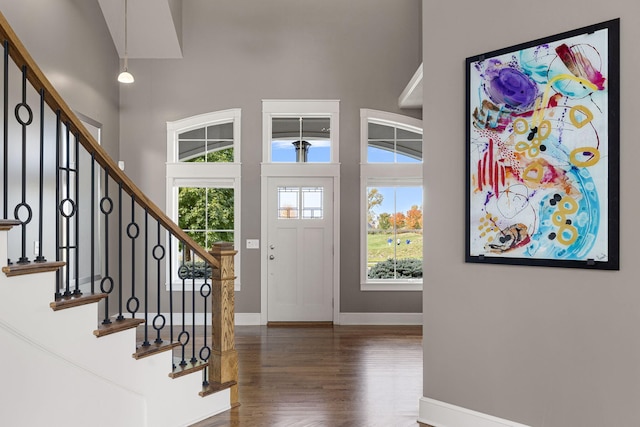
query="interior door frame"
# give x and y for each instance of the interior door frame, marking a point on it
(303, 170)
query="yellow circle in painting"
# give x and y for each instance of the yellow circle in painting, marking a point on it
(573, 234)
(544, 129)
(595, 156)
(588, 116)
(522, 146)
(520, 126)
(538, 173)
(568, 205)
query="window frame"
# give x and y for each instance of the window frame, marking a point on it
(295, 109)
(211, 175)
(385, 174)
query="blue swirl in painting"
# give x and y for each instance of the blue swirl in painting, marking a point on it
(535, 63)
(584, 221)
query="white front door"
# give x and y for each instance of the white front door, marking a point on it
(300, 249)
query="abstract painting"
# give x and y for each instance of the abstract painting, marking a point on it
(543, 151)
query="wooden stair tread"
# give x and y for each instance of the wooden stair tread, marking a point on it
(62, 303)
(187, 369)
(8, 224)
(117, 326)
(216, 387)
(31, 268)
(153, 348)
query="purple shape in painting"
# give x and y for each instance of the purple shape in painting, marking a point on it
(511, 87)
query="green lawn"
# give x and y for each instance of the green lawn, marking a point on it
(379, 248)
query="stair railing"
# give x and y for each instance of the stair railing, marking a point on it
(105, 238)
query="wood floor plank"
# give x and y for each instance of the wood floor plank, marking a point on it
(347, 376)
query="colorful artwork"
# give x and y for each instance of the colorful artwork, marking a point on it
(543, 152)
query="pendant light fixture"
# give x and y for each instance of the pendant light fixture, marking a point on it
(125, 76)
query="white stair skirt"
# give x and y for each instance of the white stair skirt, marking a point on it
(58, 370)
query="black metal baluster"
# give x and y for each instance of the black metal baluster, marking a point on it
(205, 377)
(23, 204)
(159, 321)
(193, 307)
(170, 279)
(133, 231)
(59, 273)
(120, 316)
(106, 207)
(145, 342)
(67, 243)
(76, 215)
(41, 258)
(5, 129)
(93, 221)
(183, 337)
(205, 292)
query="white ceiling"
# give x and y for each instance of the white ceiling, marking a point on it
(154, 27)
(411, 96)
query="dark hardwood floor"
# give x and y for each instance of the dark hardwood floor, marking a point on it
(342, 376)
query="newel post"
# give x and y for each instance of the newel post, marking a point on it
(223, 363)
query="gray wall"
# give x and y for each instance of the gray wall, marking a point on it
(70, 42)
(542, 346)
(237, 53)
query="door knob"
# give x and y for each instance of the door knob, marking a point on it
(272, 257)
(271, 247)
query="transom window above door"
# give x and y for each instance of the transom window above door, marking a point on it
(300, 131)
(301, 139)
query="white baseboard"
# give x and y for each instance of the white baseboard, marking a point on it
(247, 319)
(441, 414)
(380, 319)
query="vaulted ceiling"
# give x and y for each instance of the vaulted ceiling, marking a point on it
(154, 27)
(155, 32)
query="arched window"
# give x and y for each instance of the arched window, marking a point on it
(203, 181)
(392, 192)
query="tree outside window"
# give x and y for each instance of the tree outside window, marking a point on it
(394, 233)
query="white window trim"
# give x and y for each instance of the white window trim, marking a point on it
(405, 174)
(216, 175)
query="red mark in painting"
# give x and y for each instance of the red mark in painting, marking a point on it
(496, 180)
(579, 65)
(491, 162)
(554, 100)
(491, 172)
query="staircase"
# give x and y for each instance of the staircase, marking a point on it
(120, 319)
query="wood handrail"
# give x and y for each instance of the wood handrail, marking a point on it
(36, 77)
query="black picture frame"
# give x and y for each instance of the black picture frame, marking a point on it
(543, 151)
